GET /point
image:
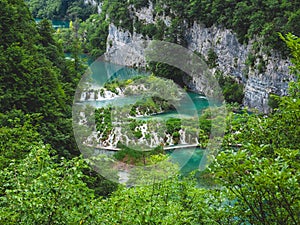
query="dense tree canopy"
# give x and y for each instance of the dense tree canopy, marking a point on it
(35, 77)
(61, 9)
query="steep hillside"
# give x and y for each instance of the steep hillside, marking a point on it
(236, 39)
(35, 77)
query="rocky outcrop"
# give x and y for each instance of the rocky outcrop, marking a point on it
(124, 48)
(273, 81)
(145, 14)
(95, 3)
(267, 73)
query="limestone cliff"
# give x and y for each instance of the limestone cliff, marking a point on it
(95, 3)
(261, 71)
(125, 48)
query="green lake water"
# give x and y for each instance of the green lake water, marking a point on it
(105, 71)
(188, 159)
(102, 72)
(57, 23)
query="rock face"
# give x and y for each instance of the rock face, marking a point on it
(124, 48)
(145, 13)
(272, 77)
(267, 73)
(95, 3)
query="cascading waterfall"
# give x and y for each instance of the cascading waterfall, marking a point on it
(144, 130)
(92, 139)
(153, 133)
(155, 141)
(98, 95)
(182, 137)
(83, 96)
(169, 139)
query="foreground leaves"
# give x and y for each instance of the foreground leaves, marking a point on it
(40, 191)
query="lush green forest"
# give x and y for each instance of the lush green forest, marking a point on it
(61, 9)
(45, 180)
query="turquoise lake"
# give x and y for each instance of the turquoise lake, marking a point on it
(57, 23)
(102, 72)
(188, 159)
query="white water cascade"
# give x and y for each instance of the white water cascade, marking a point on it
(182, 137)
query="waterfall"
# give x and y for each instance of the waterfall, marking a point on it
(182, 136)
(127, 139)
(144, 129)
(82, 119)
(99, 97)
(83, 96)
(155, 141)
(170, 139)
(110, 140)
(118, 135)
(95, 95)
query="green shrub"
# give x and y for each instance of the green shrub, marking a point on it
(212, 58)
(138, 134)
(173, 124)
(273, 101)
(231, 89)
